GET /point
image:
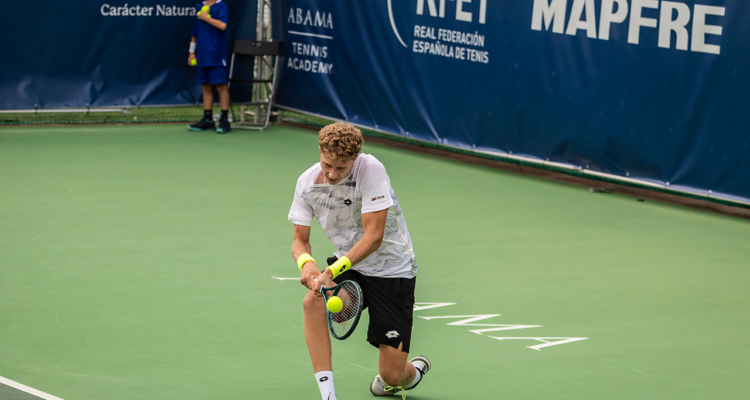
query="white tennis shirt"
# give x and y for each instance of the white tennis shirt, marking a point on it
(339, 208)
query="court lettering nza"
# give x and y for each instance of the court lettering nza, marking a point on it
(470, 319)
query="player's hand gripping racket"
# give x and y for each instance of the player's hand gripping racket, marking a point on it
(341, 324)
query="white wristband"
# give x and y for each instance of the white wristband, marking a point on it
(192, 47)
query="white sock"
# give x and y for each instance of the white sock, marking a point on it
(417, 377)
(325, 384)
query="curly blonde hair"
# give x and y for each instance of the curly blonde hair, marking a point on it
(340, 141)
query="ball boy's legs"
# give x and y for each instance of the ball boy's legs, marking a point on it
(209, 77)
(223, 96)
(208, 97)
(206, 123)
(224, 126)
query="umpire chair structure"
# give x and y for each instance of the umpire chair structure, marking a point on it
(265, 71)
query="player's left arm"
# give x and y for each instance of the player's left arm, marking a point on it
(374, 227)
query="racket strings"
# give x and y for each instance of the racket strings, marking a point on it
(351, 298)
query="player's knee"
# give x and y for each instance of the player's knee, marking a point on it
(391, 377)
(311, 304)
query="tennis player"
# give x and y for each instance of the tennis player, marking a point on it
(350, 195)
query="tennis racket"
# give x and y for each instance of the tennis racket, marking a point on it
(341, 324)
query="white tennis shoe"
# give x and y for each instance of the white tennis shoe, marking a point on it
(424, 370)
(378, 387)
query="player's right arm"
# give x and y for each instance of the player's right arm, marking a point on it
(300, 246)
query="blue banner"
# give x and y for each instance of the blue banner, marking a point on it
(649, 90)
(104, 53)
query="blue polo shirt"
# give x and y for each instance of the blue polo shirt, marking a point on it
(210, 42)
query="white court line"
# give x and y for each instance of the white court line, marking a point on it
(27, 389)
(285, 279)
(362, 367)
(310, 34)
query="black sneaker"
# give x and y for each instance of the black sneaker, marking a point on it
(202, 125)
(224, 126)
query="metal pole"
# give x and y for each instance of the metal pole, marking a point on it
(258, 64)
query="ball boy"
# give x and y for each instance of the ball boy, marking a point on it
(209, 42)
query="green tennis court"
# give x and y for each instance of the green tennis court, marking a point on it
(142, 262)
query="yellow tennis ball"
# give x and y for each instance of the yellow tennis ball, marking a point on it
(334, 304)
(193, 62)
(204, 9)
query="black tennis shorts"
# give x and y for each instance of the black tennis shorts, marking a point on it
(390, 303)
